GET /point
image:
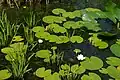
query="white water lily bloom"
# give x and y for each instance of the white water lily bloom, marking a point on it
(80, 57)
(40, 41)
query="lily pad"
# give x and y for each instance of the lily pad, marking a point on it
(92, 63)
(53, 19)
(113, 72)
(77, 69)
(38, 29)
(113, 61)
(115, 48)
(91, 76)
(77, 39)
(41, 72)
(58, 11)
(71, 24)
(43, 53)
(5, 74)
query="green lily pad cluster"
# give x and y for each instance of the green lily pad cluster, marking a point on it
(97, 42)
(74, 69)
(46, 74)
(113, 70)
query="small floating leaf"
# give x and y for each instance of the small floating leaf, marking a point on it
(77, 69)
(41, 72)
(115, 48)
(91, 76)
(113, 61)
(77, 39)
(92, 63)
(57, 11)
(38, 29)
(43, 54)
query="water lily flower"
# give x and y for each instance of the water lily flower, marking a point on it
(40, 41)
(80, 57)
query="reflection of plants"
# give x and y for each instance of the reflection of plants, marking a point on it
(16, 55)
(7, 30)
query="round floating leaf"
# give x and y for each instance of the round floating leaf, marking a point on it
(92, 63)
(43, 35)
(77, 51)
(92, 76)
(58, 11)
(77, 39)
(67, 14)
(41, 72)
(17, 38)
(43, 54)
(113, 61)
(5, 74)
(53, 38)
(38, 29)
(71, 24)
(52, 19)
(55, 76)
(113, 72)
(63, 39)
(77, 13)
(77, 69)
(115, 48)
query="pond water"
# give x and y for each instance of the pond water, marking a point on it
(86, 47)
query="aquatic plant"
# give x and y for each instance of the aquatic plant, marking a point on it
(16, 55)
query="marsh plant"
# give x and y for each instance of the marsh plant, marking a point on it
(7, 30)
(16, 55)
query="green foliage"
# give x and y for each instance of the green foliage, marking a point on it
(58, 11)
(46, 74)
(91, 76)
(113, 61)
(77, 39)
(98, 42)
(16, 55)
(5, 74)
(115, 49)
(17, 38)
(43, 53)
(7, 30)
(77, 69)
(113, 72)
(92, 63)
(77, 51)
(53, 19)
